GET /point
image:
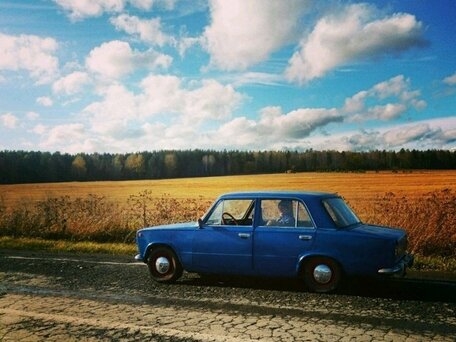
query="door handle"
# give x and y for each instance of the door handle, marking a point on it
(305, 237)
(244, 235)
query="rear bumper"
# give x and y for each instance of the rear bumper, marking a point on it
(400, 268)
(138, 257)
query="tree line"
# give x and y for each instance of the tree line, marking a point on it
(35, 167)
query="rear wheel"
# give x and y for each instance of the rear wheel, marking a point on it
(164, 267)
(321, 274)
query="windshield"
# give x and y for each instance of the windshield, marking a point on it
(340, 212)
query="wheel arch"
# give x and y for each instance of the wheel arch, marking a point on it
(154, 245)
(305, 258)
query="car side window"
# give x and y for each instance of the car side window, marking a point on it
(284, 213)
(303, 217)
(238, 212)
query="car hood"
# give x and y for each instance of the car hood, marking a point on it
(379, 231)
(174, 226)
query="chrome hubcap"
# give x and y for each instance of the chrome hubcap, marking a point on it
(322, 274)
(162, 265)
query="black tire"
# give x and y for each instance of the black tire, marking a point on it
(321, 274)
(164, 267)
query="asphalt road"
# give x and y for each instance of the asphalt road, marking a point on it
(69, 297)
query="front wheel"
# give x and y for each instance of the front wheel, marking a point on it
(164, 267)
(321, 274)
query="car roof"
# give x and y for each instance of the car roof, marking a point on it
(279, 194)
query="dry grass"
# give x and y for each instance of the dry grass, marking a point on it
(421, 202)
(430, 219)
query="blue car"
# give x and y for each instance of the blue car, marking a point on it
(312, 236)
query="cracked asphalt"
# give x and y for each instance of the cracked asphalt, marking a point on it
(87, 297)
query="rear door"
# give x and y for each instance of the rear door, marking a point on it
(278, 244)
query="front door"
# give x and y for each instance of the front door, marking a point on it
(224, 243)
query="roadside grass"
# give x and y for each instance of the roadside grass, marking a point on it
(434, 263)
(35, 244)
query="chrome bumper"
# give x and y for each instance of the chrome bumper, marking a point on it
(400, 268)
(138, 257)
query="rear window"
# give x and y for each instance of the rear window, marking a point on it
(342, 215)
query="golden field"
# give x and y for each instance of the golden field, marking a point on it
(422, 202)
(352, 186)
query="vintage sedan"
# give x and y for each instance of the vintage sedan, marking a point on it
(312, 236)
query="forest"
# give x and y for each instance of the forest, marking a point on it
(38, 167)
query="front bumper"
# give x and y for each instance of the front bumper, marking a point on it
(138, 257)
(400, 268)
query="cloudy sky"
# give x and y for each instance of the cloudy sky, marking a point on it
(142, 75)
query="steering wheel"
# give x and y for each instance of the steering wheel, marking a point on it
(226, 216)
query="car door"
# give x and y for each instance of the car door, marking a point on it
(223, 244)
(278, 244)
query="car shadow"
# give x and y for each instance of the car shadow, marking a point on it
(407, 288)
(432, 290)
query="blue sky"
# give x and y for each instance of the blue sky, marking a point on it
(141, 75)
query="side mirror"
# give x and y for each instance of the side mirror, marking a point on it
(200, 223)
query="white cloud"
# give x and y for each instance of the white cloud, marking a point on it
(386, 112)
(145, 4)
(427, 134)
(257, 78)
(186, 43)
(32, 116)
(273, 129)
(30, 53)
(397, 91)
(8, 120)
(71, 138)
(45, 101)
(39, 129)
(116, 59)
(245, 32)
(71, 84)
(208, 100)
(82, 9)
(165, 113)
(112, 115)
(162, 94)
(149, 31)
(296, 124)
(450, 80)
(353, 33)
(413, 133)
(121, 112)
(90, 8)
(237, 133)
